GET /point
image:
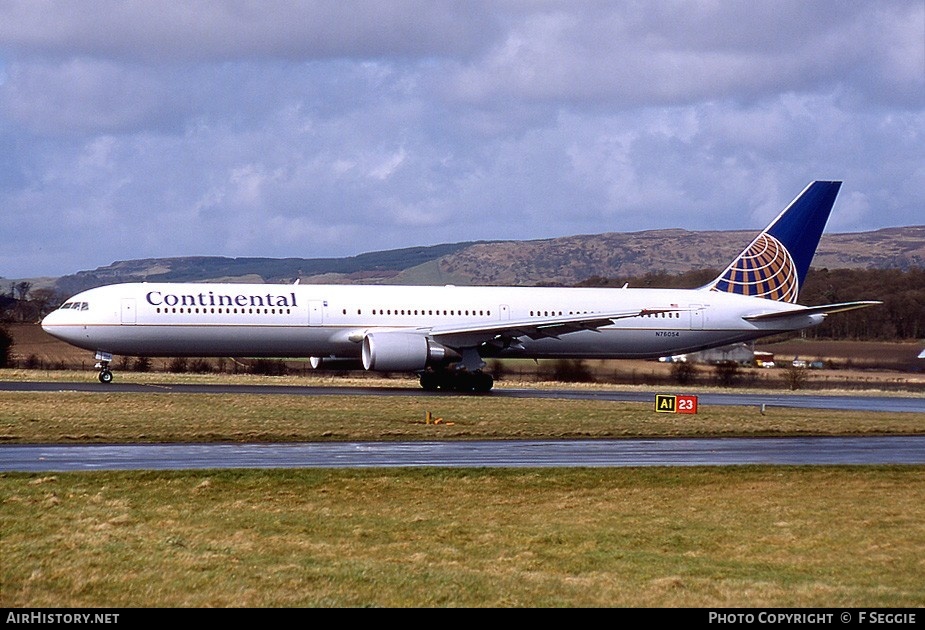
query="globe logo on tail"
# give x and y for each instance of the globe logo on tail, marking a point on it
(764, 270)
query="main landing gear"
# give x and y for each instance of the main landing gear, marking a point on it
(104, 359)
(457, 380)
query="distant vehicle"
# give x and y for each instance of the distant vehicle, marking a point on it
(799, 363)
(764, 359)
(444, 334)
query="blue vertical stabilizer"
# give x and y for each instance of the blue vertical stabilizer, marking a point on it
(774, 265)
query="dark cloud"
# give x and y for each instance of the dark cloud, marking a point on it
(158, 32)
(136, 129)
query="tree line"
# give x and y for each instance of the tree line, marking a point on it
(901, 316)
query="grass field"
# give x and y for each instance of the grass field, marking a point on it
(691, 537)
(745, 536)
(75, 417)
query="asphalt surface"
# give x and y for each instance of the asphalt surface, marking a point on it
(483, 453)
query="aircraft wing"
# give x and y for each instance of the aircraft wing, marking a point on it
(507, 332)
(825, 309)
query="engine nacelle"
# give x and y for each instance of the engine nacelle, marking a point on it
(400, 352)
(335, 363)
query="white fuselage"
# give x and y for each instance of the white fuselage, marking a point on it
(276, 320)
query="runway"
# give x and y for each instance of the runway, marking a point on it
(477, 454)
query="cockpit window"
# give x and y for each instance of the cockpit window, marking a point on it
(76, 306)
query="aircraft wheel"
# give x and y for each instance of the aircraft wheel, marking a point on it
(106, 376)
(430, 381)
(482, 382)
(464, 381)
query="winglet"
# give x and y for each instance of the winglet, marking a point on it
(774, 265)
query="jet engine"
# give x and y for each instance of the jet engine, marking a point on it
(400, 352)
(335, 363)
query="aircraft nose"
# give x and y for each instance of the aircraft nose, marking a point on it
(52, 323)
(57, 325)
(48, 321)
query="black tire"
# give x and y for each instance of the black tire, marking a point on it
(483, 382)
(105, 376)
(430, 381)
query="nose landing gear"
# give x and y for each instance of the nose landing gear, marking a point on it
(104, 359)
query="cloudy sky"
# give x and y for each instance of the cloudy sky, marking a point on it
(136, 129)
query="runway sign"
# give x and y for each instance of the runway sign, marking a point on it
(665, 403)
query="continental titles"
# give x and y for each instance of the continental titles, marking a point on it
(210, 298)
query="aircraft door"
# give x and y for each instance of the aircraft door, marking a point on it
(504, 312)
(696, 316)
(128, 311)
(315, 312)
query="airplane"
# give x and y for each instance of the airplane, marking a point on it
(445, 333)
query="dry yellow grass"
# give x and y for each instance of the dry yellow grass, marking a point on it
(74, 417)
(738, 536)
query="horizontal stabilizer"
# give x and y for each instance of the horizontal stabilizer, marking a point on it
(825, 309)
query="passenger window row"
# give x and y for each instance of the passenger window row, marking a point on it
(448, 312)
(554, 313)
